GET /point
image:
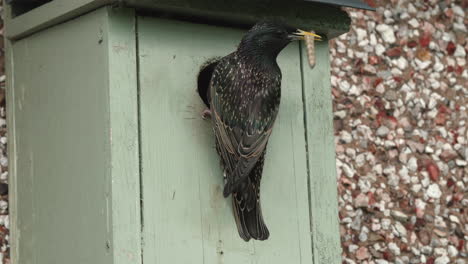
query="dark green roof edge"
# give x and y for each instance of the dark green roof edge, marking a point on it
(322, 18)
(360, 4)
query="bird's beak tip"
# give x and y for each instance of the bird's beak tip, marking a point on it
(300, 34)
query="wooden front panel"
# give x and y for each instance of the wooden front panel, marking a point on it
(185, 217)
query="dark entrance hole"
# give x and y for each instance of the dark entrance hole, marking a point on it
(204, 78)
(19, 7)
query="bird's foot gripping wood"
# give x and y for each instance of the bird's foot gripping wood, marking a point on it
(206, 114)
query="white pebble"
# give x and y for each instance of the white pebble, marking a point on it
(414, 23)
(434, 191)
(3, 205)
(340, 114)
(346, 137)
(442, 260)
(413, 164)
(381, 261)
(379, 49)
(361, 34)
(452, 251)
(416, 188)
(386, 32)
(454, 219)
(352, 248)
(458, 10)
(386, 223)
(459, 51)
(402, 63)
(438, 66)
(429, 150)
(394, 248)
(348, 171)
(461, 163)
(4, 161)
(344, 86)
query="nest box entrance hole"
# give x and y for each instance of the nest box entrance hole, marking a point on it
(204, 78)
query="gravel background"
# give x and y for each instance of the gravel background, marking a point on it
(4, 223)
(400, 85)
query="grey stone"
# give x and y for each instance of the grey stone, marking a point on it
(382, 131)
(399, 216)
(391, 95)
(400, 229)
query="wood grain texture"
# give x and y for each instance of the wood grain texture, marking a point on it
(321, 157)
(123, 109)
(186, 219)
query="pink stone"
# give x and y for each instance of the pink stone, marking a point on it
(393, 52)
(440, 119)
(428, 28)
(449, 12)
(362, 253)
(373, 60)
(458, 197)
(371, 3)
(413, 44)
(369, 70)
(453, 239)
(433, 171)
(425, 39)
(448, 155)
(451, 48)
(419, 212)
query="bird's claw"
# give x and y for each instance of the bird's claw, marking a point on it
(206, 114)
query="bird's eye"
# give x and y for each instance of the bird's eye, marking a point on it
(279, 33)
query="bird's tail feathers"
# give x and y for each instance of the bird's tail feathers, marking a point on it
(249, 218)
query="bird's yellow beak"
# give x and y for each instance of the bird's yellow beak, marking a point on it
(300, 34)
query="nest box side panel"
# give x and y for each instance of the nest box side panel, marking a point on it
(60, 115)
(186, 219)
(321, 157)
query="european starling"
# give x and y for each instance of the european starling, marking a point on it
(244, 97)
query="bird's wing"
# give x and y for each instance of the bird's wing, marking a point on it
(240, 129)
(240, 148)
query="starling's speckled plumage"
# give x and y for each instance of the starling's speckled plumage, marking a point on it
(244, 96)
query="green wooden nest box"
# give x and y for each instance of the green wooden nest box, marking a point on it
(110, 161)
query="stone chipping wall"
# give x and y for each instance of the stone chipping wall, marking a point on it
(400, 90)
(4, 220)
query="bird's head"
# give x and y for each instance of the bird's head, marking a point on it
(269, 37)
